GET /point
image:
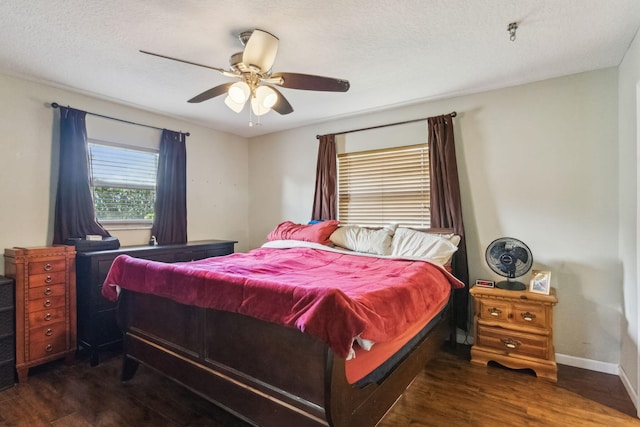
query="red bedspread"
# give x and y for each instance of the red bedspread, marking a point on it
(332, 296)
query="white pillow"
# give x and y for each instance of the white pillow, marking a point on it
(416, 244)
(367, 240)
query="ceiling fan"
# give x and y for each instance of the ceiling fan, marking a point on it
(252, 67)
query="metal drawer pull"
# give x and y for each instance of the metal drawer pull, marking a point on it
(48, 348)
(48, 332)
(47, 317)
(48, 267)
(529, 317)
(47, 303)
(511, 343)
(49, 279)
(48, 291)
(495, 312)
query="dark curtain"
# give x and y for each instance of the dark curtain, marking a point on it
(324, 201)
(446, 205)
(75, 214)
(170, 219)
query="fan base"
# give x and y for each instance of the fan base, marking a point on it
(510, 285)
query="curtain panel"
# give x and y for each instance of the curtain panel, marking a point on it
(446, 204)
(170, 218)
(325, 198)
(75, 214)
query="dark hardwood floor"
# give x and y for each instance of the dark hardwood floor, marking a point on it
(449, 392)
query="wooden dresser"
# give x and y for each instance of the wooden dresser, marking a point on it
(515, 329)
(97, 325)
(45, 295)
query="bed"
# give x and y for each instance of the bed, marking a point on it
(243, 332)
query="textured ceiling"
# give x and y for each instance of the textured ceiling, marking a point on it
(393, 52)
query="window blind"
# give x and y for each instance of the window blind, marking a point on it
(123, 182)
(382, 186)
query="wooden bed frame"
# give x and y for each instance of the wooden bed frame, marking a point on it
(265, 374)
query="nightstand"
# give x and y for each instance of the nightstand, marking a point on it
(514, 329)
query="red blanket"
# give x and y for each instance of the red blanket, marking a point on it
(332, 296)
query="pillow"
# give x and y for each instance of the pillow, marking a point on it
(417, 244)
(367, 240)
(317, 233)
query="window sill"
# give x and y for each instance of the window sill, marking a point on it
(125, 225)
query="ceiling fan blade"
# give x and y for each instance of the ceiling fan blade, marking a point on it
(211, 93)
(260, 50)
(186, 62)
(311, 82)
(281, 106)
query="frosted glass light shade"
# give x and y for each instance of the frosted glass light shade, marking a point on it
(239, 92)
(265, 98)
(235, 106)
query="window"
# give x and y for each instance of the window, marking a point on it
(123, 182)
(382, 186)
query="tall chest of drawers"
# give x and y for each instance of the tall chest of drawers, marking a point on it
(45, 304)
(515, 329)
(97, 325)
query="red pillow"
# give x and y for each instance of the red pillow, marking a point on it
(317, 233)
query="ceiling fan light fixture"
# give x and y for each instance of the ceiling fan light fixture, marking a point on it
(239, 92)
(235, 106)
(266, 96)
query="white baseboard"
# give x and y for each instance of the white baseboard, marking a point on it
(630, 391)
(592, 365)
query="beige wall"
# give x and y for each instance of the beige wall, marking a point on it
(629, 137)
(217, 176)
(537, 162)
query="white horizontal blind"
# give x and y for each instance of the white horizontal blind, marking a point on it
(123, 181)
(382, 186)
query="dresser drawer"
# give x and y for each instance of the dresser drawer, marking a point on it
(48, 303)
(47, 291)
(45, 317)
(43, 343)
(36, 280)
(50, 266)
(530, 315)
(512, 342)
(494, 310)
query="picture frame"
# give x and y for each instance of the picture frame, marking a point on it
(485, 283)
(540, 282)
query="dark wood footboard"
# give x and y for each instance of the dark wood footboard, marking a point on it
(266, 374)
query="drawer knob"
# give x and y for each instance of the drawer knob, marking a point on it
(47, 317)
(495, 312)
(49, 279)
(48, 291)
(48, 332)
(48, 267)
(47, 303)
(529, 317)
(510, 343)
(48, 348)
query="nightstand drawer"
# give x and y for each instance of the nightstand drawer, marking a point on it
(530, 315)
(495, 311)
(512, 342)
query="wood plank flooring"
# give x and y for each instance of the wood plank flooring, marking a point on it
(449, 392)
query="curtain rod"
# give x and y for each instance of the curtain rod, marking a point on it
(452, 114)
(56, 105)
